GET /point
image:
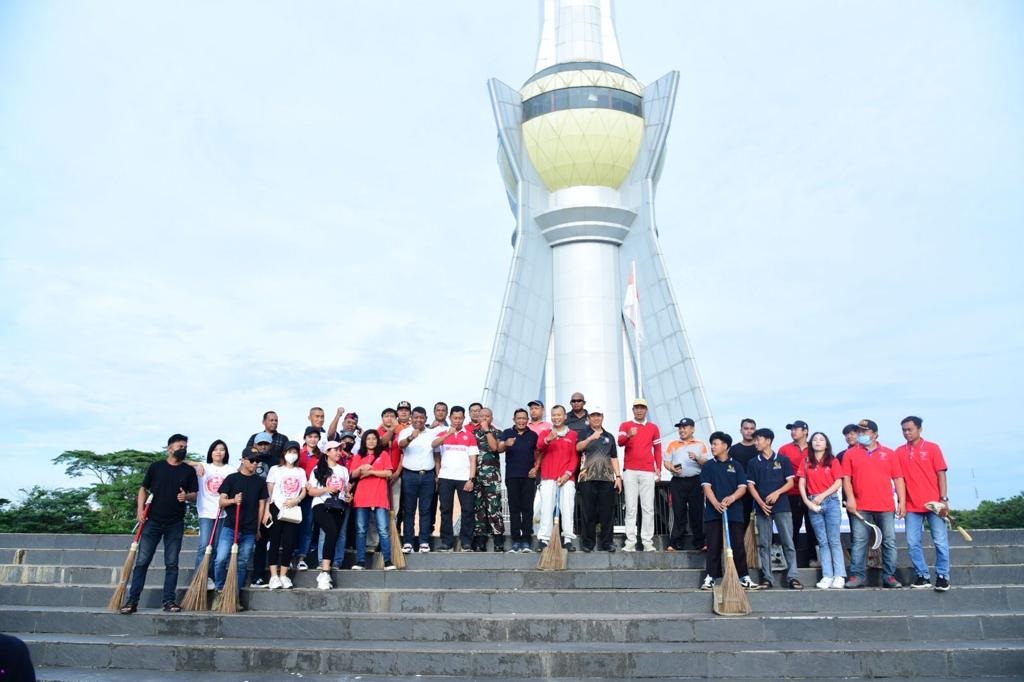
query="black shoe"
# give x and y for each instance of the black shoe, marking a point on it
(171, 607)
(499, 547)
(920, 582)
(941, 584)
(444, 548)
(260, 582)
(128, 609)
(586, 549)
(541, 545)
(569, 547)
(610, 549)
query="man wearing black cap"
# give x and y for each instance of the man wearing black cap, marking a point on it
(796, 452)
(599, 483)
(684, 457)
(537, 422)
(850, 433)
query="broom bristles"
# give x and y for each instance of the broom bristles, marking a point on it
(732, 597)
(229, 597)
(117, 599)
(553, 557)
(397, 558)
(196, 599)
(750, 544)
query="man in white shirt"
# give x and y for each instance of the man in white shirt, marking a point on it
(418, 479)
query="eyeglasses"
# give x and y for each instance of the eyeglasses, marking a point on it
(578, 400)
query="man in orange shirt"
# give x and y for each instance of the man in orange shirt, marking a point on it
(684, 458)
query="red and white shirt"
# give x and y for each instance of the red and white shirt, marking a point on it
(287, 483)
(559, 457)
(208, 502)
(643, 451)
(456, 451)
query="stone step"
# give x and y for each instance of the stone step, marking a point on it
(960, 556)
(998, 574)
(136, 675)
(473, 627)
(971, 599)
(1001, 536)
(781, 658)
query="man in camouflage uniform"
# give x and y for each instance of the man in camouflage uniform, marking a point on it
(489, 520)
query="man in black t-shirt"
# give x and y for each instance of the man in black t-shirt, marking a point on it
(172, 483)
(519, 444)
(245, 493)
(743, 452)
(278, 440)
(600, 482)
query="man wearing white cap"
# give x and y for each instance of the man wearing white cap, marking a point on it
(641, 468)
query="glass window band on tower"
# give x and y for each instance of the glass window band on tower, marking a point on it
(582, 98)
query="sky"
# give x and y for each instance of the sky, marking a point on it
(209, 210)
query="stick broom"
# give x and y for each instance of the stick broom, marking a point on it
(553, 558)
(229, 596)
(197, 597)
(117, 598)
(730, 598)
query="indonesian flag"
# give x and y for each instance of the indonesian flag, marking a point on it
(631, 304)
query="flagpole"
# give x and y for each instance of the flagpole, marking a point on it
(631, 311)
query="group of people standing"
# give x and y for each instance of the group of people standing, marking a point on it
(285, 495)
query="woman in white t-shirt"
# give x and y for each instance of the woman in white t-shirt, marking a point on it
(329, 488)
(211, 475)
(286, 485)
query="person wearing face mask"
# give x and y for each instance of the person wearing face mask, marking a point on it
(173, 484)
(286, 485)
(870, 472)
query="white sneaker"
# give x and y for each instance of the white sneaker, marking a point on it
(210, 585)
(323, 581)
(275, 583)
(838, 582)
(407, 548)
(708, 584)
(629, 547)
(286, 582)
(825, 583)
(301, 566)
(748, 584)
(424, 548)
(650, 548)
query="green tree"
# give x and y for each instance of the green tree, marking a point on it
(1001, 513)
(62, 510)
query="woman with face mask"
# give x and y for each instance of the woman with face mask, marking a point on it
(286, 485)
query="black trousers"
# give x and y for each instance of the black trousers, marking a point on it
(713, 534)
(799, 509)
(598, 507)
(687, 508)
(467, 501)
(282, 540)
(521, 493)
(330, 523)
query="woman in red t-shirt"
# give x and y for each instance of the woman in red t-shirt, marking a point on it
(821, 477)
(372, 470)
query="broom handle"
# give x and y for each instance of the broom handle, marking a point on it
(213, 535)
(145, 515)
(725, 531)
(238, 517)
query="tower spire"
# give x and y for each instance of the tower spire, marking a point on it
(577, 30)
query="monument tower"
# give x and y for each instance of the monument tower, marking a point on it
(580, 148)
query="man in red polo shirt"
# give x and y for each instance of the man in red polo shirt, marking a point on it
(796, 452)
(870, 471)
(924, 474)
(558, 465)
(641, 468)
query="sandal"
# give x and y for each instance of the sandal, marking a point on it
(794, 584)
(765, 585)
(128, 609)
(171, 607)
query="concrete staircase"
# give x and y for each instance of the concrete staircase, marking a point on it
(495, 616)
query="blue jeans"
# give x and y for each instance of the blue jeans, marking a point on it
(152, 533)
(784, 522)
(246, 544)
(862, 536)
(826, 530)
(305, 528)
(940, 538)
(380, 519)
(205, 530)
(417, 493)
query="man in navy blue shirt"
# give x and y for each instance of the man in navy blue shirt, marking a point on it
(770, 477)
(519, 444)
(725, 484)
